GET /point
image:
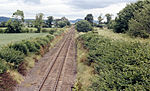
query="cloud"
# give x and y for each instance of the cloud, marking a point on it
(32, 1)
(72, 9)
(90, 4)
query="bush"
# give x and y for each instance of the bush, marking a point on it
(31, 47)
(3, 66)
(118, 65)
(61, 24)
(52, 31)
(83, 26)
(138, 33)
(14, 26)
(2, 30)
(45, 30)
(12, 56)
(50, 37)
(37, 45)
(20, 47)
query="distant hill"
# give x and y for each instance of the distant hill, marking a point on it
(74, 21)
(2, 19)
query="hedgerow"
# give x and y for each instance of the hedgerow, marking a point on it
(15, 53)
(3, 66)
(117, 65)
(12, 56)
(20, 47)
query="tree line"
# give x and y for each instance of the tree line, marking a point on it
(88, 23)
(17, 23)
(134, 19)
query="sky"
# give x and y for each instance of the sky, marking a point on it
(72, 9)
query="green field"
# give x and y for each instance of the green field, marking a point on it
(10, 38)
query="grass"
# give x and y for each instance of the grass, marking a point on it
(10, 38)
(119, 36)
(84, 72)
(2, 27)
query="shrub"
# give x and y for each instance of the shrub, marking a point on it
(45, 30)
(137, 33)
(12, 56)
(52, 31)
(20, 47)
(37, 45)
(83, 26)
(61, 24)
(50, 37)
(41, 42)
(118, 65)
(31, 47)
(2, 30)
(3, 66)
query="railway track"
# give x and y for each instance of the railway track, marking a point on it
(51, 80)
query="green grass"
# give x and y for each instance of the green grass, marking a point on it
(2, 27)
(10, 38)
(119, 36)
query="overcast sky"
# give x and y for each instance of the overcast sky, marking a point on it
(72, 9)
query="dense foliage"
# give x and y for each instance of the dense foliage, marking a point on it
(12, 56)
(108, 17)
(89, 18)
(49, 21)
(60, 23)
(15, 25)
(140, 22)
(38, 23)
(3, 66)
(118, 65)
(134, 19)
(83, 26)
(15, 53)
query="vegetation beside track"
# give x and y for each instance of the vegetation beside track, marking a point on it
(18, 57)
(118, 64)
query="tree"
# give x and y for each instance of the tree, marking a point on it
(139, 26)
(125, 15)
(29, 23)
(61, 24)
(15, 26)
(49, 21)
(3, 24)
(65, 20)
(39, 22)
(83, 26)
(108, 17)
(56, 22)
(89, 18)
(19, 15)
(100, 19)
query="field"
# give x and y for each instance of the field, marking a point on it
(10, 38)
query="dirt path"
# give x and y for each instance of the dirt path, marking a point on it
(56, 71)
